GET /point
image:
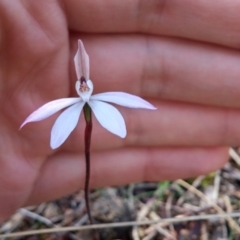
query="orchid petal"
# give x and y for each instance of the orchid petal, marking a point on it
(85, 96)
(123, 99)
(109, 117)
(49, 109)
(65, 124)
(81, 61)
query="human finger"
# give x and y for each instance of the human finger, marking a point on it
(108, 168)
(198, 20)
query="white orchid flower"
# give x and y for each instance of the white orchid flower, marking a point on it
(107, 115)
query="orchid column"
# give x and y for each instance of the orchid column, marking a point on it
(107, 115)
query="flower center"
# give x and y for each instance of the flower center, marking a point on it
(83, 85)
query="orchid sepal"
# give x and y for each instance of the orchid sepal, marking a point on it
(65, 124)
(109, 117)
(81, 61)
(49, 109)
(123, 99)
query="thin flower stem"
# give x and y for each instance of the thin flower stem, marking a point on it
(88, 132)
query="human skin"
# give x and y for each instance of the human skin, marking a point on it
(182, 56)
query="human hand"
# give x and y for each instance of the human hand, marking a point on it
(193, 84)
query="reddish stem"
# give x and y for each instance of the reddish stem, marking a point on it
(87, 138)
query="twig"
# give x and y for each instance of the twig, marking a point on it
(168, 210)
(159, 227)
(214, 205)
(13, 224)
(227, 203)
(130, 194)
(234, 156)
(204, 232)
(135, 234)
(195, 183)
(216, 186)
(145, 210)
(36, 216)
(150, 236)
(121, 224)
(42, 219)
(140, 216)
(192, 208)
(82, 220)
